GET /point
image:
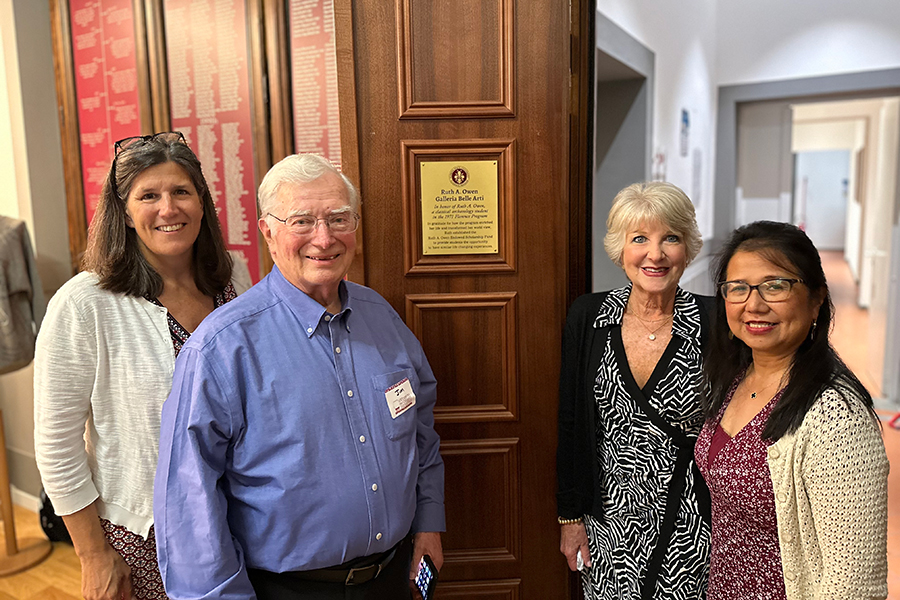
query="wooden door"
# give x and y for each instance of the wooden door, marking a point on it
(465, 80)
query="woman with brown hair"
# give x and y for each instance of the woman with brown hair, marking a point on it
(155, 266)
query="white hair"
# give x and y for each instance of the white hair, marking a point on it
(299, 169)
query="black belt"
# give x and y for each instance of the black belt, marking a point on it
(348, 575)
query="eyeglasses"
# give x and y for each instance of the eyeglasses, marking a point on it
(771, 290)
(140, 140)
(342, 222)
(136, 141)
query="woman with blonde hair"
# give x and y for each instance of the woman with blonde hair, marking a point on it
(633, 511)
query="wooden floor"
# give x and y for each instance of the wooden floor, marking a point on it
(59, 577)
(849, 339)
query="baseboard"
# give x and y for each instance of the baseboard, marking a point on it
(24, 499)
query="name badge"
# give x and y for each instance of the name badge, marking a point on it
(400, 398)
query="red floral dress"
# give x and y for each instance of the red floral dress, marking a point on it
(745, 560)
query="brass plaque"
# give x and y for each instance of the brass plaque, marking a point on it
(459, 207)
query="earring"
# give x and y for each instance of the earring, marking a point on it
(730, 335)
(812, 331)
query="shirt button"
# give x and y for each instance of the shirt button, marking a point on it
(788, 538)
(338, 349)
(327, 318)
(789, 575)
(377, 536)
(309, 330)
(773, 452)
(374, 487)
(781, 497)
(362, 439)
(350, 393)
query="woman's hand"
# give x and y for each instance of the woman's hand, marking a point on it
(105, 576)
(572, 538)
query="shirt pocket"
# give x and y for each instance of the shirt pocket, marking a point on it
(402, 425)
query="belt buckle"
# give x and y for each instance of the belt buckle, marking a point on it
(352, 573)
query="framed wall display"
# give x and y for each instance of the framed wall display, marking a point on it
(208, 80)
(103, 95)
(458, 210)
(310, 70)
(314, 91)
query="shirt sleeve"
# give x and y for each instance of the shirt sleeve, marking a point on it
(430, 483)
(65, 368)
(846, 483)
(198, 556)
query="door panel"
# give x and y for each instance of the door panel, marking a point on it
(479, 80)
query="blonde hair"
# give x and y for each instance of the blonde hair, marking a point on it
(648, 202)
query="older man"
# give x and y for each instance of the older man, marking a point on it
(298, 457)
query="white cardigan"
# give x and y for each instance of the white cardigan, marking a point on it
(103, 368)
(830, 483)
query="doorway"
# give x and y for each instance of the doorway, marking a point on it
(622, 133)
(875, 258)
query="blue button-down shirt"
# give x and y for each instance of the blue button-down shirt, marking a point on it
(278, 449)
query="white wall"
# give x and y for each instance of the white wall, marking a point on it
(682, 36)
(813, 130)
(33, 189)
(763, 40)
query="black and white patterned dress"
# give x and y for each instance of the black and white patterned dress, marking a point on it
(637, 459)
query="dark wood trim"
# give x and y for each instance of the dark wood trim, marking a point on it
(157, 64)
(277, 47)
(68, 127)
(581, 146)
(258, 93)
(346, 79)
(581, 166)
(260, 96)
(141, 59)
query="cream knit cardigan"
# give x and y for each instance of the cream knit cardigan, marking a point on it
(830, 483)
(103, 367)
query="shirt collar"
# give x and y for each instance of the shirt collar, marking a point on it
(309, 312)
(685, 323)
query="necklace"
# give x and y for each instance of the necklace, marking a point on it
(652, 332)
(765, 387)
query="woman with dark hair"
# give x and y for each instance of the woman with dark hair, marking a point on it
(791, 448)
(155, 266)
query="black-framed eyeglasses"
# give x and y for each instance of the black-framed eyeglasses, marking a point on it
(770, 290)
(340, 222)
(139, 140)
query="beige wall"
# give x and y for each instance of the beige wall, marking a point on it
(33, 189)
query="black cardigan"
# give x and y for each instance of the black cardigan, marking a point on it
(577, 471)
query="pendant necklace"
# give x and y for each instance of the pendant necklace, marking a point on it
(652, 332)
(764, 388)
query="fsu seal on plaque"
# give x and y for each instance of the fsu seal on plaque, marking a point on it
(459, 176)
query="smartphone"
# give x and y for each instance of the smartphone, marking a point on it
(426, 578)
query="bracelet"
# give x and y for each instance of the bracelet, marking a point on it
(568, 521)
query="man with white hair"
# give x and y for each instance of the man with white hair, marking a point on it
(298, 457)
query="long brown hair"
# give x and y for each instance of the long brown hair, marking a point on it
(113, 252)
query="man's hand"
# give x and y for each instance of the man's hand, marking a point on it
(573, 538)
(425, 542)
